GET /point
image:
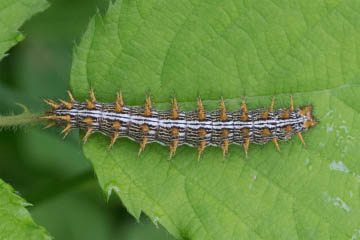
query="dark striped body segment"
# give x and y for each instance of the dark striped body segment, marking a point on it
(173, 128)
(159, 127)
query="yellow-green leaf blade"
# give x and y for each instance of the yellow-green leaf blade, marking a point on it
(307, 49)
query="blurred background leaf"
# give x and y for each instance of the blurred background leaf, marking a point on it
(308, 49)
(12, 15)
(52, 174)
(15, 220)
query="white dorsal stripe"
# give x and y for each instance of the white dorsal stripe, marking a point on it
(170, 123)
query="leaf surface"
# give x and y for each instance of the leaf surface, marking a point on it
(257, 49)
(12, 15)
(15, 220)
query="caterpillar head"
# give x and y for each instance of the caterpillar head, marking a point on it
(310, 121)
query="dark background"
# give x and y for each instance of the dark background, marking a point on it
(47, 171)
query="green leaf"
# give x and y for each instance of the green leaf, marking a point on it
(15, 220)
(307, 49)
(12, 15)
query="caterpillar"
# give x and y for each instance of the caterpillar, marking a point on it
(173, 127)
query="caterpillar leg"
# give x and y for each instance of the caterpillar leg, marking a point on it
(173, 148)
(244, 115)
(119, 103)
(113, 140)
(276, 144)
(174, 109)
(291, 104)
(91, 103)
(301, 138)
(72, 99)
(201, 148)
(52, 104)
(66, 130)
(148, 106)
(87, 134)
(142, 145)
(272, 104)
(49, 125)
(246, 147)
(201, 110)
(223, 116)
(243, 105)
(225, 147)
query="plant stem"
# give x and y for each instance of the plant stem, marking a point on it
(21, 119)
(8, 121)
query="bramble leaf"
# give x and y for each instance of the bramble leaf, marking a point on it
(15, 220)
(308, 49)
(12, 15)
